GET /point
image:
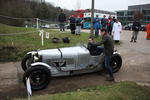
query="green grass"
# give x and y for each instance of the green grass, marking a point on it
(13, 48)
(9, 29)
(117, 91)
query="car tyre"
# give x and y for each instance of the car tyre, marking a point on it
(26, 62)
(116, 62)
(39, 77)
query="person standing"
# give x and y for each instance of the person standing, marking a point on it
(62, 19)
(109, 26)
(78, 25)
(136, 28)
(108, 49)
(148, 31)
(104, 22)
(96, 26)
(72, 24)
(112, 23)
(116, 31)
(114, 19)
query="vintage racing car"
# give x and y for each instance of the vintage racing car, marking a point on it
(40, 66)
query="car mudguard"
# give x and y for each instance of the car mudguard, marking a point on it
(32, 52)
(41, 64)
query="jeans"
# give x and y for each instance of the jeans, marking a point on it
(100, 49)
(107, 61)
(78, 29)
(96, 32)
(62, 26)
(108, 66)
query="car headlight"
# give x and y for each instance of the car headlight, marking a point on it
(37, 57)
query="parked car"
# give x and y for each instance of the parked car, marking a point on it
(143, 28)
(54, 26)
(67, 26)
(128, 27)
(47, 26)
(40, 66)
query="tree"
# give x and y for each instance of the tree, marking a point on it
(27, 9)
(138, 15)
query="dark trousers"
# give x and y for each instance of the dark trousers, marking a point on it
(108, 66)
(73, 28)
(109, 29)
(134, 35)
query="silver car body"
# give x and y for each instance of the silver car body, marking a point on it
(68, 61)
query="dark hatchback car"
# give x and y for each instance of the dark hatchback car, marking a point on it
(128, 27)
(143, 28)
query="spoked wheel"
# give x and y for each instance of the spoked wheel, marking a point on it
(116, 62)
(39, 77)
(26, 62)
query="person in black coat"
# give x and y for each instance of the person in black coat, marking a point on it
(104, 22)
(136, 28)
(72, 24)
(62, 19)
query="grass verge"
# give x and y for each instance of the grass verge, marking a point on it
(117, 91)
(14, 47)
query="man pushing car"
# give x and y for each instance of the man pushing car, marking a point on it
(108, 49)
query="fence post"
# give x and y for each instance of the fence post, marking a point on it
(37, 23)
(42, 37)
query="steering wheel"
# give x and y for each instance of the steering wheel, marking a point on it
(83, 45)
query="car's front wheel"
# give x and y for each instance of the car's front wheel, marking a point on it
(116, 62)
(39, 77)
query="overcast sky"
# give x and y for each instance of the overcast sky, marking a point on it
(109, 5)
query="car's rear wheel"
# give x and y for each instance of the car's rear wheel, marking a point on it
(26, 62)
(39, 77)
(116, 62)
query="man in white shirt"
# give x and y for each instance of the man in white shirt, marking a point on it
(116, 31)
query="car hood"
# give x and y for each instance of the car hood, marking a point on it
(63, 52)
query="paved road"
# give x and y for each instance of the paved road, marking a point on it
(136, 67)
(136, 57)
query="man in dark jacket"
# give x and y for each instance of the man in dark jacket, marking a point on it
(104, 22)
(107, 41)
(72, 24)
(94, 50)
(136, 28)
(62, 19)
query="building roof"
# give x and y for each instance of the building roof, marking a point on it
(139, 7)
(136, 7)
(36, 0)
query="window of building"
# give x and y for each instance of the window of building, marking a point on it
(130, 13)
(147, 12)
(148, 18)
(129, 18)
(120, 13)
